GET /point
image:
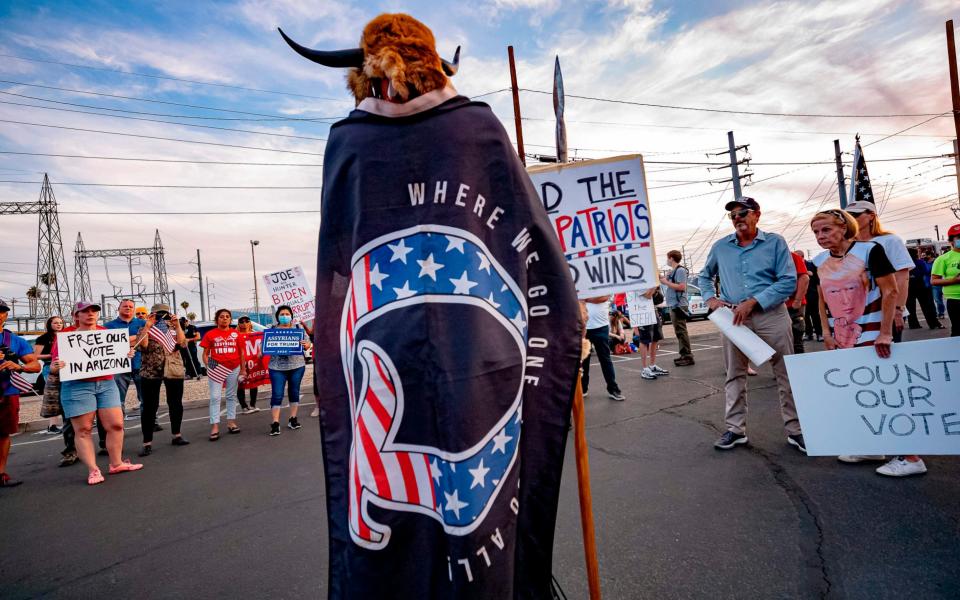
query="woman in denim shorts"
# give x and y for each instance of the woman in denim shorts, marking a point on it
(83, 398)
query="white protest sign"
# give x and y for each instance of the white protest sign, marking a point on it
(93, 353)
(642, 310)
(854, 402)
(601, 214)
(754, 348)
(291, 287)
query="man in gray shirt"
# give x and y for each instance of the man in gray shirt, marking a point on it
(676, 296)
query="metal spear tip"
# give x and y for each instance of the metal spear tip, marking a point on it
(350, 57)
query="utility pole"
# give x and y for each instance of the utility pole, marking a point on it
(516, 105)
(936, 229)
(734, 165)
(954, 95)
(203, 307)
(256, 295)
(840, 178)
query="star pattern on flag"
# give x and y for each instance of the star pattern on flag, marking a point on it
(863, 191)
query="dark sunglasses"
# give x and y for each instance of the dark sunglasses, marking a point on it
(743, 212)
(242, 321)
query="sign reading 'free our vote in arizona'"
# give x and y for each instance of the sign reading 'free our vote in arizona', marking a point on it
(601, 214)
(854, 402)
(93, 353)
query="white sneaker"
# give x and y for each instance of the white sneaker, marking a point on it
(901, 467)
(859, 458)
(657, 370)
(647, 373)
(248, 411)
(316, 412)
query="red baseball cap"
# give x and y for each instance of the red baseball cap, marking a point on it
(954, 230)
(82, 306)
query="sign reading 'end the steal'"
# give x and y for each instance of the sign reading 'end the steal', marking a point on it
(93, 353)
(853, 402)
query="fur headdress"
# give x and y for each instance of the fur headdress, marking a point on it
(397, 60)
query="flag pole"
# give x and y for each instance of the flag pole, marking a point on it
(586, 500)
(515, 90)
(579, 422)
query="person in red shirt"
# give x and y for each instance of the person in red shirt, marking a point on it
(81, 399)
(796, 304)
(221, 355)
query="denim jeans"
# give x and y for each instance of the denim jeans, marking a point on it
(292, 381)
(216, 392)
(123, 385)
(938, 300)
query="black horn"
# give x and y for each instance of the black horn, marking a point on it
(352, 57)
(450, 68)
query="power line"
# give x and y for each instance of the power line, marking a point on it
(152, 114)
(154, 137)
(163, 160)
(151, 100)
(169, 78)
(738, 112)
(184, 187)
(96, 114)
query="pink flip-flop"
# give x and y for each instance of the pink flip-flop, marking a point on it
(126, 465)
(95, 477)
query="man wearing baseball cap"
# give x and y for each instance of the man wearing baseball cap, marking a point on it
(16, 356)
(757, 275)
(946, 275)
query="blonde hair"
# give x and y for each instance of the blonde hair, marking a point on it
(876, 228)
(839, 217)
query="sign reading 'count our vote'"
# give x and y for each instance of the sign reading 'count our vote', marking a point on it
(853, 402)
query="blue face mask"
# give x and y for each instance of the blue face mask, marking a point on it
(956, 243)
(285, 319)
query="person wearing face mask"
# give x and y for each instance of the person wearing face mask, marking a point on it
(676, 283)
(945, 275)
(286, 371)
(160, 342)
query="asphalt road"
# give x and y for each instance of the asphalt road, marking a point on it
(245, 517)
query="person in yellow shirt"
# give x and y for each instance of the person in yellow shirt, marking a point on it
(946, 274)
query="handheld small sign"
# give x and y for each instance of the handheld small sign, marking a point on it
(93, 353)
(854, 402)
(282, 342)
(291, 287)
(642, 310)
(600, 211)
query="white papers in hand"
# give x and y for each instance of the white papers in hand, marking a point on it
(742, 337)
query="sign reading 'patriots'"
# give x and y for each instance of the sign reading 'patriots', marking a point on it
(446, 352)
(601, 214)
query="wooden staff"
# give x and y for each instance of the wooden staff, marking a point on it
(586, 501)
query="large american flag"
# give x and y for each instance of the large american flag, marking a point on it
(861, 190)
(423, 264)
(164, 338)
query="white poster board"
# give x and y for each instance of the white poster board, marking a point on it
(93, 353)
(853, 402)
(600, 212)
(642, 310)
(755, 349)
(291, 287)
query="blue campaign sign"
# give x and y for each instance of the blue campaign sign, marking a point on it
(282, 342)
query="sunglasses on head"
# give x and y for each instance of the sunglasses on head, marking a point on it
(741, 213)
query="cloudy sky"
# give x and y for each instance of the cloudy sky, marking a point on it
(200, 84)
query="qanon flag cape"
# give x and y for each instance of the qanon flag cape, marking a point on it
(447, 346)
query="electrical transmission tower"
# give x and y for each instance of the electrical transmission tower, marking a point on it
(161, 290)
(52, 288)
(81, 276)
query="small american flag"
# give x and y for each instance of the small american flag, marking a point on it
(20, 383)
(219, 374)
(164, 338)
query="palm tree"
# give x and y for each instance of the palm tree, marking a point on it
(184, 305)
(33, 296)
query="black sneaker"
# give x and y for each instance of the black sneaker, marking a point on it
(797, 441)
(293, 423)
(617, 396)
(146, 451)
(730, 439)
(179, 441)
(275, 428)
(685, 361)
(156, 427)
(70, 458)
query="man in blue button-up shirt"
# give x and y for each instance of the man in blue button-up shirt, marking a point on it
(756, 276)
